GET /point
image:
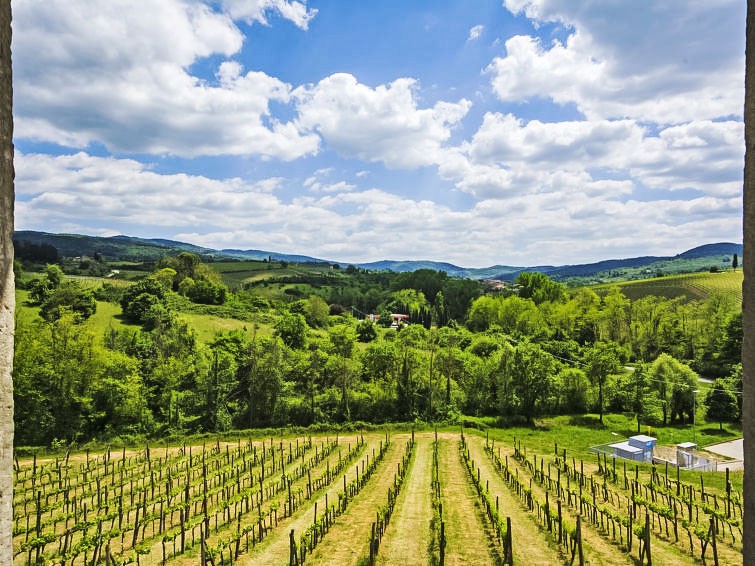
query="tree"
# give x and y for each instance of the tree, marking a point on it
(602, 360)
(7, 287)
(342, 340)
(70, 295)
(366, 331)
(166, 276)
(316, 312)
(735, 262)
(573, 386)
(674, 383)
(138, 299)
(428, 281)
(731, 349)
(41, 289)
(458, 294)
(634, 394)
(539, 287)
(531, 370)
(721, 403)
(292, 329)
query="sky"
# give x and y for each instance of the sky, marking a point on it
(514, 132)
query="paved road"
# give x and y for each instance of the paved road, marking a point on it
(732, 449)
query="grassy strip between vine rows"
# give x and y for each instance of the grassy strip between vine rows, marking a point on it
(314, 534)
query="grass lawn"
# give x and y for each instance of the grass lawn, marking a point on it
(206, 326)
(576, 433)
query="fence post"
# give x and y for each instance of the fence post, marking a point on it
(372, 546)
(442, 543)
(579, 541)
(293, 556)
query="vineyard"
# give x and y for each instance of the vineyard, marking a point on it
(365, 498)
(693, 286)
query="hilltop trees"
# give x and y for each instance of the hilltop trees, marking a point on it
(186, 274)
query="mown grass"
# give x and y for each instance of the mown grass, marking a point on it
(693, 286)
(234, 274)
(206, 326)
(577, 433)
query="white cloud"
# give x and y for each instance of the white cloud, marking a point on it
(118, 74)
(475, 32)
(665, 62)
(255, 11)
(508, 156)
(55, 193)
(377, 124)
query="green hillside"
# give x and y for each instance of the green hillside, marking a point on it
(693, 286)
(235, 274)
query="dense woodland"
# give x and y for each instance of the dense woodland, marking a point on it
(536, 349)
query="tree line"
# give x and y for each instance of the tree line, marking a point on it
(540, 351)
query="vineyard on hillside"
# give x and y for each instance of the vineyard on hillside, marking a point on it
(365, 499)
(693, 286)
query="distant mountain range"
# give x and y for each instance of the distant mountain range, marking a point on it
(128, 248)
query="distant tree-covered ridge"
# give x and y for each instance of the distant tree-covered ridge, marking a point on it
(127, 248)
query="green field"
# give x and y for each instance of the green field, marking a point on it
(693, 286)
(235, 273)
(206, 326)
(108, 315)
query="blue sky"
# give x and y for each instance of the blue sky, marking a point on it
(517, 132)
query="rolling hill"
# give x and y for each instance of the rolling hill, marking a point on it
(128, 248)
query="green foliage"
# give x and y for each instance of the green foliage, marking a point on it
(426, 281)
(573, 388)
(71, 296)
(674, 383)
(531, 373)
(516, 357)
(539, 288)
(316, 312)
(292, 329)
(721, 403)
(139, 298)
(366, 331)
(204, 292)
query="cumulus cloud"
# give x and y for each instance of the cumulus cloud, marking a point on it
(81, 77)
(667, 62)
(55, 193)
(508, 156)
(377, 124)
(256, 10)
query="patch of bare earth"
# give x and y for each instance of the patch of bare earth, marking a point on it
(407, 538)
